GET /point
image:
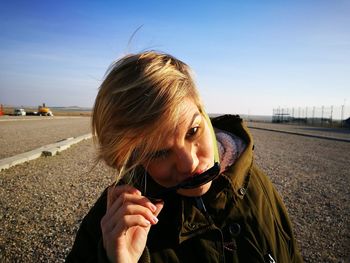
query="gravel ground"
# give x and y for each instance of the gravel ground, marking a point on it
(313, 177)
(22, 134)
(43, 201)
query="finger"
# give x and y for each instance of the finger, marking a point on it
(126, 188)
(129, 204)
(135, 209)
(120, 201)
(110, 197)
(110, 222)
(131, 198)
(133, 220)
(159, 207)
(114, 192)
(120, 230)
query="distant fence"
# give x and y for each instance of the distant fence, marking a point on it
(324, 116)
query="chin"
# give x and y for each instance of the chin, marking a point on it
(195, 191)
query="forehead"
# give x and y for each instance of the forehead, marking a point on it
(186, 112)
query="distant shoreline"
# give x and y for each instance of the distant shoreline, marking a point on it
(57, 111)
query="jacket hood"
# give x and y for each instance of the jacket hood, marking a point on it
(238, 173)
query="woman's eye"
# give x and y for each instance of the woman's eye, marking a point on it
(192, 131)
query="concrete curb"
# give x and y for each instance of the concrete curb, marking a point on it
(47, 150)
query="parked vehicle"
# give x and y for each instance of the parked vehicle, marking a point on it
(19, 112)
(44, 111)
(32, 113)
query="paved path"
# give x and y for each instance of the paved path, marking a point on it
(335, 133)
(26, 133)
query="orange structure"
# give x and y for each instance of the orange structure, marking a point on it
(1, 110)
(44, 111)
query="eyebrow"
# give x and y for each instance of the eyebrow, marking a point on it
(193, 119)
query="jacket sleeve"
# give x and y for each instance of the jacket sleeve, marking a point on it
(88, 244)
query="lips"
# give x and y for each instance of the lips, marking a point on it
(198, 172)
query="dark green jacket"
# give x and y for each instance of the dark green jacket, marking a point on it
(240, 219)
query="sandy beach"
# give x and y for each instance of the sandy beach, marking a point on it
(43, 201)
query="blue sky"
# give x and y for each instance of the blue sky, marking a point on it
(248, 56)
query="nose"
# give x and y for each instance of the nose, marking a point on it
(187, 160)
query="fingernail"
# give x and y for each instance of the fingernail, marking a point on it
(155, 220)
(153, 208)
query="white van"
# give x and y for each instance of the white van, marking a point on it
(19, 112)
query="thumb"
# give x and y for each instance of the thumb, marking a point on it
(111, 197)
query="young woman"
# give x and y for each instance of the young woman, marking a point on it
(185, 191)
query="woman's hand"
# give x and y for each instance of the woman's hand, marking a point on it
(126, 224)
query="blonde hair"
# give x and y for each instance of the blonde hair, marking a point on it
(138, 105)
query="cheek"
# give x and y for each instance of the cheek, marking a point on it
(160, 172)
(207, 149)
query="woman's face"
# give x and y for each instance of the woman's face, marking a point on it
(186, 152)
